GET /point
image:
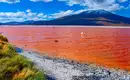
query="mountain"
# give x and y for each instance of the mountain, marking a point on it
(90, 17)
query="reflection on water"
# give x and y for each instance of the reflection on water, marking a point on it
(106, 46)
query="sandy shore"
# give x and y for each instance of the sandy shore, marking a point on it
(61, 69)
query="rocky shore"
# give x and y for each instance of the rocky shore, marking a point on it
(61, 69)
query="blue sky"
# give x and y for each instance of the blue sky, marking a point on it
(23, 10)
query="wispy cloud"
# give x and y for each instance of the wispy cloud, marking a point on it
(110, 5)
(21, 16)
(62, 13)
(122, 0)
(79, 11)
(17, 1)
(41, 0)
(10, 1)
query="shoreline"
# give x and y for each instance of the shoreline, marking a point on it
(62, 69)
(59, 26)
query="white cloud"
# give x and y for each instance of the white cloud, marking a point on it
(109, 5)
(41, 0)
(72, 2)
(28, 10)
(10, 1)
(21, 16)
(79, 11)
(122, 1)
(61, 14)
(64, 13)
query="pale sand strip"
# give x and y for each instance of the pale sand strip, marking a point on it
(61, 69)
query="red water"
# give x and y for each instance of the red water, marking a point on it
(106, 46)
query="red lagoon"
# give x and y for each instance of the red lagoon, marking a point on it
(109, 47)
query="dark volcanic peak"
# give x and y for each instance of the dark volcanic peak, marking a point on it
(96, 13)
(90, 17)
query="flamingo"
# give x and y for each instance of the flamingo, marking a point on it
(82, 35)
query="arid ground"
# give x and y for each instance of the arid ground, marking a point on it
(109, 47)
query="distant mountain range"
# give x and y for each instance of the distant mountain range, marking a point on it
(91, 17)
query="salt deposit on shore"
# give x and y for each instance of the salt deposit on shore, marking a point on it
(61, 69)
